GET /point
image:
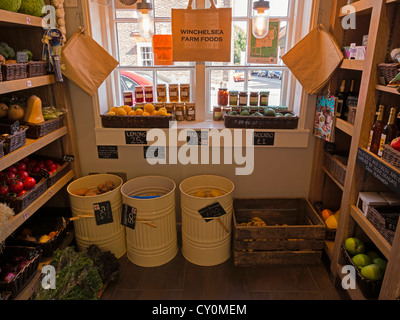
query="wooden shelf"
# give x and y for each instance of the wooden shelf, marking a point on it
(333, 179)
(371, 231)
(361, 7)
(31, 147)
(16, 221)
(352, 64)
(345, 126)
(13, 19)
(24, 84)
(387, 89)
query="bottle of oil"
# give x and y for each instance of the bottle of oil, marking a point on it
(389, 132)
(376, 132)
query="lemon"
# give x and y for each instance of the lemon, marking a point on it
(154, 113)
(122, 112)
(127, 108)
(162, 112)
(146, 114)
(148, 107)
(132, 113)
(111, 113)
(139, 112)
(114, 109)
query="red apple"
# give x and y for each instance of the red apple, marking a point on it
(395, 144)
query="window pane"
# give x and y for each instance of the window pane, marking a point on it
(162, 8)
(163, 28)
(174, 76)
(267, 80)
(282, 41)
(126, 14)
(130, 79)
(239, 7)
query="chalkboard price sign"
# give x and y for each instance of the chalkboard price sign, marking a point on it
(136, 137)
(197, 138)
(103, 213)
(128, 217)
(264, 138)
(211, 212)
(68, 158)
(107, 152)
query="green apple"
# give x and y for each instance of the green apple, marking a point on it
(373, 254)
(361, 260)
(372, 272)
(381, 263)
(354, 246)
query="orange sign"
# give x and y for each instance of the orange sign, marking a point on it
(162, 49)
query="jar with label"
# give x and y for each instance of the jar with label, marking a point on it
(243, 98)
(128, 98)
(159, 105)
(190, 112)
(185, 92)
(139, 94)
(217, 113)
(254, 99)
(264, 98)
(223, 97)
(180, 111)
(225, 111)
(162, 93)
(148, 94)
(233, 98)
(236, 109)
(139, 106)
(174, 93)
(170, 107)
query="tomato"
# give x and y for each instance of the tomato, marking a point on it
(25, 160)
(4, 189)
(22, 193)
(29, 183)
(51, 167)
(16, 186)
(32, 163)
(10, 177)
(48, 162)
(22, 174)
(12, 169)
(36, 170)
(21, 166)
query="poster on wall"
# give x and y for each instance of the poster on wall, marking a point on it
(162, 50)
(265, 50)
(324, 120)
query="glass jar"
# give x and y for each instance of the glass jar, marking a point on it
(190, 112)
(264, 98)
(225, 111)
(243, 98)
(223, 97)
(185, 92)
(254, 99)
(139, 94)
(159, 105)
(128, 98)
(174, 93)
(237, 109)
(148, 94)
(170, 107)
(217, 113)
(162, 93)
(233, 98)
(180, 111)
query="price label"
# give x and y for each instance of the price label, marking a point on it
(128, 217)
(211, 212)
(28, 20)
(29, 83)
(264, 138)
(107, 152)
(136, 137)
(103, 213)
(26, 215)
(68, 158)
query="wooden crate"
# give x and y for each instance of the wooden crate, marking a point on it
(294, 233)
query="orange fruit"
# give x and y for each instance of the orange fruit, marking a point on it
(114, 109)
(326, 213)
(127, 108)
(148, 107)
(162, 112)
(111, 113)
(146, 114)
(132, 113)
(122, 112)
(139, 112)
(154, 113)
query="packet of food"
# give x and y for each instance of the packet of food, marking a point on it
(395, 82)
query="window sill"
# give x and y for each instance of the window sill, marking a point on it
(297, 138)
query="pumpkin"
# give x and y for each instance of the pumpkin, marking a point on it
(33, 112)
(16, 112)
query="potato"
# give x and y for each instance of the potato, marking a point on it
(80, 192)
(92, 193)
(110, 185)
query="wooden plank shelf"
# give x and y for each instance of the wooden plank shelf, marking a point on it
(345, 126)
(16, 221)
(361, 7)
(13, 19)
(31, 146)
(387, 89)
(371, 231)
(24, 84)
(352, 64)
(333, 179)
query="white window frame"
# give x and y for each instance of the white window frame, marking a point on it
(141, 60)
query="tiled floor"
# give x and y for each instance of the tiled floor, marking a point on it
(181, 280)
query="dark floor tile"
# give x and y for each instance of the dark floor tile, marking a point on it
(322, 281)
(127, 294)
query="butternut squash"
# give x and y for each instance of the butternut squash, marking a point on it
(33, 113)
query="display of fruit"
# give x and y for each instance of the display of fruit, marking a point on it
(10, 5)
(256, 221)
(276, 112)
(3, 110)
(15, 113)
(32, 7)
(100, 189)
(213, 193)
(354, 246)
(33, 112)
(16, 180)
(147, 111)
(372, 272)
(361, 260)
(382, 263)
(395, 144)
(326, 213)
(331, 219)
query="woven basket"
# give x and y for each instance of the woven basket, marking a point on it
(14, 71)
(380, 217)
(109, 121)
(391, 156)
(37, 131)
(37, 68)
(335, 167)
(387, 72)
(253, 122)
(1, 148)
(15, 141)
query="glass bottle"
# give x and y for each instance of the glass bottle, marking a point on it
(341, 99)
(389, 132)
(376, 131)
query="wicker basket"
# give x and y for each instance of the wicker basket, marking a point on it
(37, 68)
(391, 156)
(37, 131)
(109, 121)
(335, 167)
(1, 148)
(14, 71)
(15, 141)
(381, 218)
(387, 72)
(253, 122)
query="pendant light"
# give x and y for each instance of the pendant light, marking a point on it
(146, 19)
(260, 20)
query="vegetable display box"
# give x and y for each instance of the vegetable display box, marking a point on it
(15, 141)
(277, 232)
(39, 130)
(254, 122)
(114, 121)
(18, 266)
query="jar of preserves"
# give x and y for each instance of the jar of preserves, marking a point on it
(162, 93)
(190, 112)
(233, 98)
(243, 98)
(217, 113)
(159, 105)
(237, 109)
(254, 96)
(170, 107)
(139, 94)
(180, 112)
(148, 94)
(185, 92)
(223, 97)
(128, 98)
(264, 98)
(173, 93)
(225, 111)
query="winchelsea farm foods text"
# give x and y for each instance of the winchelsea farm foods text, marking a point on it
(201, 35)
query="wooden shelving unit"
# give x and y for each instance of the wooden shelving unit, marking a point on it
(380, 24)
(25, 84)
